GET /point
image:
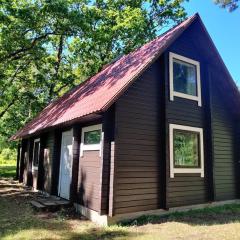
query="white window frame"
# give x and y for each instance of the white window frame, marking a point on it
(91, 147)
(174, 170)
(173, 93)
(35, 168)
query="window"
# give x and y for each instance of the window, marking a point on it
(186, 150)
(36, 153)
(184, 78)
(91, 139)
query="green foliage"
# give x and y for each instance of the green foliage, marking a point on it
(7, 163)
(48, 47)
(231, 5)
(8, 154)
(185, 148)
(92, 137)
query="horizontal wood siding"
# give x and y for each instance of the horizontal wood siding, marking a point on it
(137, 151)
(224, 136)
(48, 151)
(107, 169)
(56, 160)
(89, 180)
(186, 189)
(75, 163)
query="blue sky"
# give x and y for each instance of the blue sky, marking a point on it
(224, 28)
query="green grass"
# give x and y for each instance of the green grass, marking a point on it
(19, 221)
(7, 168)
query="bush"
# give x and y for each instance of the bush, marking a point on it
(8, 155)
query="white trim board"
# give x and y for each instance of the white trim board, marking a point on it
(173, 170)
(173, 93)
(91, 147)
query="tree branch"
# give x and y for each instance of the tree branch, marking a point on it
(57, 66)
(19, 69)
(2, 113)
(17, 54)
(59, 55)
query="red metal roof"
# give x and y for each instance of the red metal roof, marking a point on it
(100, 91)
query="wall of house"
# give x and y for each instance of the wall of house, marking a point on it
(88, 184)
(187, 189)
(48, 145)
(137, 159)
(26, 162)
(224, 143)
(89, 180)
(42, 178)
(141, 156)
(24, 166)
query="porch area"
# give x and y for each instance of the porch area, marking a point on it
(49, 203)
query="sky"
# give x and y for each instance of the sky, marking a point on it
(224, 29)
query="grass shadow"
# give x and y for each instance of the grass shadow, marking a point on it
(19, 221)
(228, 213)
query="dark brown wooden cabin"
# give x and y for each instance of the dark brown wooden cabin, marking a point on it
(155, 130)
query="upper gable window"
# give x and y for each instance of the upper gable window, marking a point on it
(184, 78)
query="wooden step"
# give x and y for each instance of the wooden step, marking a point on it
(37, 205)
(50, 203)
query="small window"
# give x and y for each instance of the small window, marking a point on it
(36, 153)
(186, 150)
(91, 139)
(184, 78)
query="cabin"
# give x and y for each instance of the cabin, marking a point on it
(156, 130)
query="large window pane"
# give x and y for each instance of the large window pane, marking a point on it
(184, 77)
(186, 148)
(92, 137)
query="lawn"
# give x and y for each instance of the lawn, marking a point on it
(19, 221)
(7, 168)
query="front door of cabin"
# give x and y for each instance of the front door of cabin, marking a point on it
(65, 172)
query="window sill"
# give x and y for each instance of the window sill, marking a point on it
(187, 170)
(186, 96)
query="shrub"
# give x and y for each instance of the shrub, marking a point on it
(8, 154)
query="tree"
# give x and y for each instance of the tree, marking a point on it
(49, 46)
(231, 5)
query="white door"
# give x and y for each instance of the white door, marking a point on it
(65, 173)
